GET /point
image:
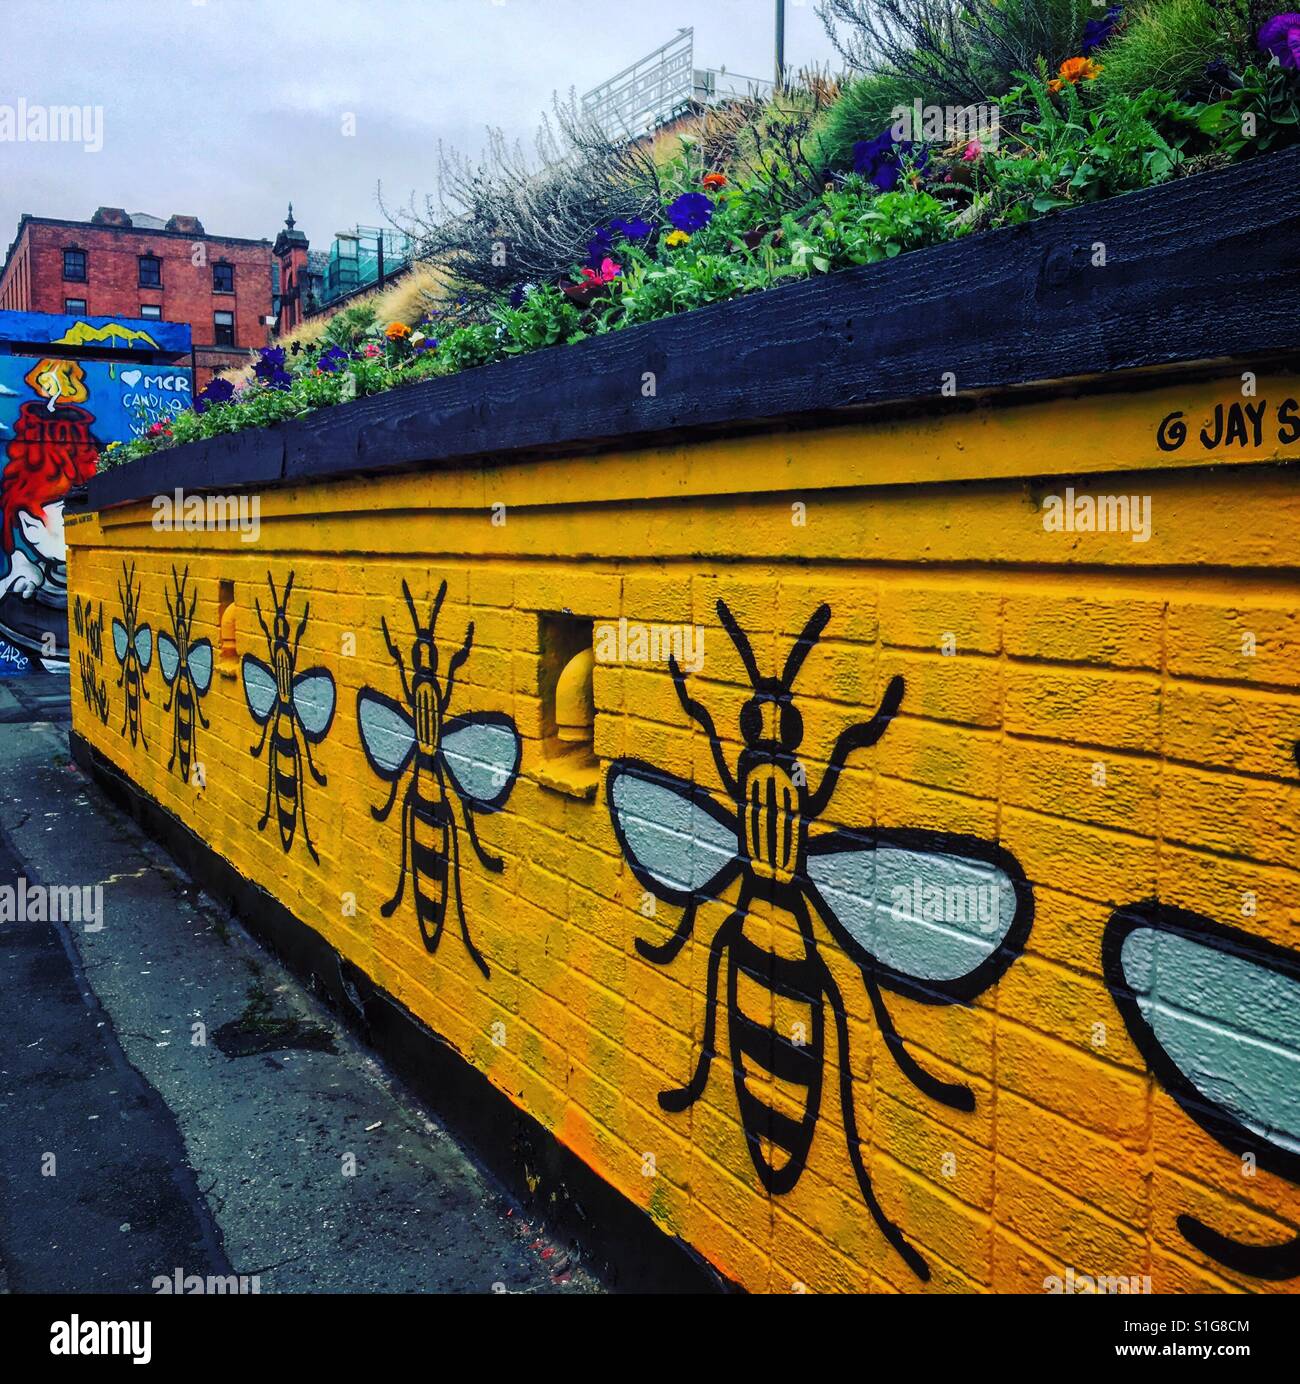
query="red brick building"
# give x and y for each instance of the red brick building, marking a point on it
(120, 265)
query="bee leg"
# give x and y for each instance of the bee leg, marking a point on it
(270, 783)
(700, 715)
(664, 953)
(488, 861)
(380, 814)
(948, 1093)
(1275, 1262)
(256, 750)
(302, 796)
(390, 907)
(460, 904)
(396, 655)
(859, 737)
(887, 1228)
(453, 667)
(311, 764)
(679, 1099)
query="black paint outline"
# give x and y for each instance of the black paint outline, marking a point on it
(1274, 1262)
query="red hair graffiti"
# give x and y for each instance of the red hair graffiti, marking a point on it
(50, 452)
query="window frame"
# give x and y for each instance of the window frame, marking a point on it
(218, 326)
(148, 283)
(229, 269)
(70, 311)
(150, 312)
(84, 276)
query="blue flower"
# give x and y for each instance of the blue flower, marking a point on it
(1098, 31)
(270, 365)
(691, 212)
(333, 359)
(637, 228)
(215, 392)
(879, 160)
(600, 246)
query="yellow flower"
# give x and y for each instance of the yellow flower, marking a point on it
(396, 330)
(676, 238)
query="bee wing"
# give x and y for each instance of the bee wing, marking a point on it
(387, 733)
(169, 657)
(199, 663)
(313, 700)
(119, 640)
(877, 891)
(259, 687)
(678, 840)
(482, 753)
(144, 647)
(1216, 1013)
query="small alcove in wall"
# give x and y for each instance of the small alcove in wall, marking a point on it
(566, 663)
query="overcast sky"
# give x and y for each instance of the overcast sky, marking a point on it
(227, 109)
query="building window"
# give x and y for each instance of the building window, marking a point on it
(74, 307)
(74, 265)
(223, 278)
(150, 310)
(223, 328)
(150, 271)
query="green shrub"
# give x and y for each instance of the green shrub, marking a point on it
(1168, 43)
(864, 109)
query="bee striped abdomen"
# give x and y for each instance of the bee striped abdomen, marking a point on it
(777, 1052)
(184, 726)
(285, 769)
(430, 824)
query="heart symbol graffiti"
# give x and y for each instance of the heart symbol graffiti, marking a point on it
(131, 378)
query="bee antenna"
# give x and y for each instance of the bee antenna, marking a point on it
(410, 605)
(739, 639)
(270, 581)
(288, 586)
(803, 646)
(437, 606)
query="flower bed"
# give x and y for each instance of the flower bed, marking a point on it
(711, 235)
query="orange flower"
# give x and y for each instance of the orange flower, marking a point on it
(1054, 86)
(715, 180)
(395, 331)
(1076, 70)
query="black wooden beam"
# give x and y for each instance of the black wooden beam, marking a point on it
(1201, 269)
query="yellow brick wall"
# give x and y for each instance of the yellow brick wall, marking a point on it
(1121, 717)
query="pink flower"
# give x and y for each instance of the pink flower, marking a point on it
(606, 274)
(973, 151)
(372, 349)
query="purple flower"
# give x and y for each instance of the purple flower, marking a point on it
(1280, 36)
(270, 365)
(599, 246)
(691, 212)
(214, 392)
(1098, 31)
(879, 160)
(333, 359)
(637, 228)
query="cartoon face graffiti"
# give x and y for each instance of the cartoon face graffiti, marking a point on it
(295, 709)
(687, 847)
(476, 754)
(186, 666)
(1216, 1014)
(133, 649)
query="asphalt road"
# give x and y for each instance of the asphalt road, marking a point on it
(172, 1100)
